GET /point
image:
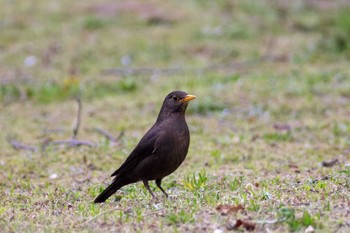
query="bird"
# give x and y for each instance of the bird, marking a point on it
(159, 152)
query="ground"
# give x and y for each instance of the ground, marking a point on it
(270, 128)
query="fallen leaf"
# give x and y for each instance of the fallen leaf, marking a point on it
(249, 226)
(91, 166)
(150, 12)
(330, 163)
(228, 209)
(282, 127)
(255, 137)
(294, 167)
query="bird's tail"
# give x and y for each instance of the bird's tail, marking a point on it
(110, 190)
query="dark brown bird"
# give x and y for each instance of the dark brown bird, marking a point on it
(160, 152)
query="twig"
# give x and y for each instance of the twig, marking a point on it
(73, 142)
(105, 212)
(77, 126)
(69, 142)
(53, 131)
(172, 71)
(109, 136)
(20, 146)
(267, 221)
(121, 134)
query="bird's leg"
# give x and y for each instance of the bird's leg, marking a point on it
(145, 182)
(158, 183)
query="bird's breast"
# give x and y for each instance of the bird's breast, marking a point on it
(176, 144)
(170, 151)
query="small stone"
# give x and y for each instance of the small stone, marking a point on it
(30, 61)
(309, 229)
(53, 176)
(218, 231)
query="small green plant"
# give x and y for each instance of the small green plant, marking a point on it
(253, 205)
(288, 215)
(346, 171)
(139, 214)
(265, 195)
(2, 210)
(216, 154)
(181, 217)
(9, 92)
(307, 219)
(93, 23)
(336, 35)
(236, 183)
(321, 184)
(128, 84)
(327, 206)
(195, 182)
(341, 129)
(277, 137)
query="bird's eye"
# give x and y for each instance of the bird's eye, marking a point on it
(174, 98)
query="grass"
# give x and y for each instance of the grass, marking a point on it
(259, 133)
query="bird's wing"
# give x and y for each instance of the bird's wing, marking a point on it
(146, 147)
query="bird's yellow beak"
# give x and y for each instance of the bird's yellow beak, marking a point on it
(187, 98)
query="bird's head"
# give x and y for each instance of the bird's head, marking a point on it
(175, 102)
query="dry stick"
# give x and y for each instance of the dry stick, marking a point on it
(71, 142)
(173, 71)
(20, 146)
(77, 126)
(109, 136)
(267, 221)
(53, 131)
(105, 212)
(121, 134)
